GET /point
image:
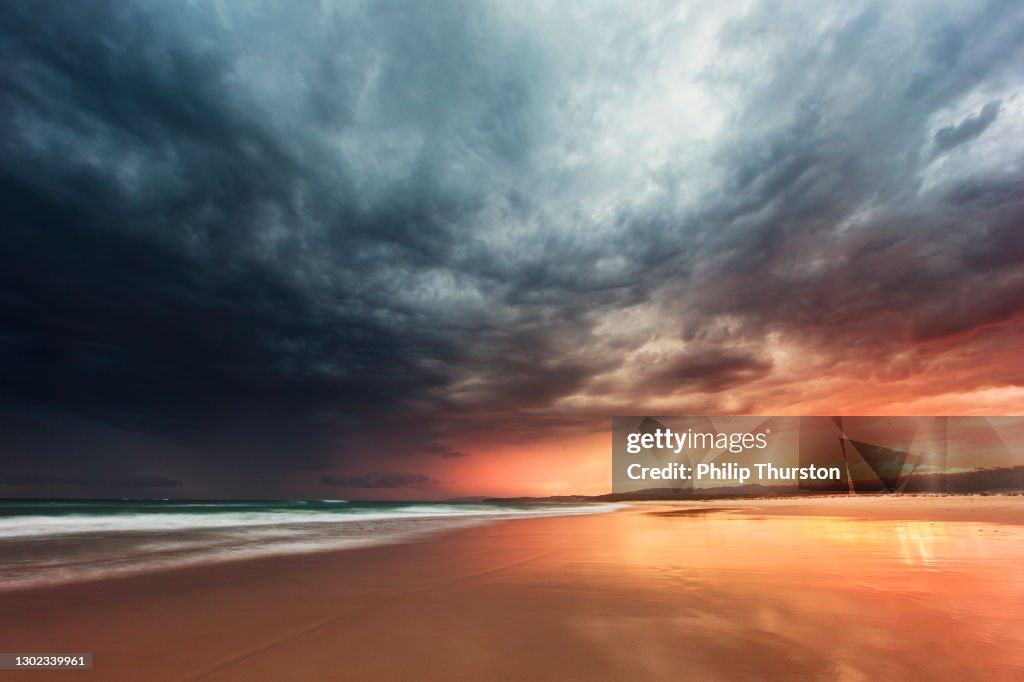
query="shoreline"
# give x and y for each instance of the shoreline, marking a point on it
(625, 594)
(88, 547)
(1002, 509)
(999, 508)
(996, 508)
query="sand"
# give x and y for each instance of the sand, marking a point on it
(869, 588)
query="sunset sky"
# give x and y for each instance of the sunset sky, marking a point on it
(408, 250)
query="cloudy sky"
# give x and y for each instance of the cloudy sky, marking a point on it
(420, 250)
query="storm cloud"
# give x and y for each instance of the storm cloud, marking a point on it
(261, 239)
(972, 126)
(91, 481)
(379, 479)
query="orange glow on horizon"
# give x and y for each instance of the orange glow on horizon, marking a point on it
(581, 464)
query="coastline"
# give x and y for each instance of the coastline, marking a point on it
(762, 588)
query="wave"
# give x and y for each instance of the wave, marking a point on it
(41, 526)
(45, 545)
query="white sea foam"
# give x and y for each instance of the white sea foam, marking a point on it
(48, 526)
(60, 547)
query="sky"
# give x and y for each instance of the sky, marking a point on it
(397, 250)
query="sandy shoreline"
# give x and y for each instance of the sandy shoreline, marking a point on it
(1008, 509)
(773, 589)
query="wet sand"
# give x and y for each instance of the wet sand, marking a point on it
(861, 589)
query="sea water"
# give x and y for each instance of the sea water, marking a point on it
(47, 542)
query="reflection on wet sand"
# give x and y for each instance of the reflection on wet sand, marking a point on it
(822, 596)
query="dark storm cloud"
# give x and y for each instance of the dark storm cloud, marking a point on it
(90, 481)
(838, 226)
(176, 261)
(710, 371)
(442, 450)
(379, 479)
(968, 129)
(273, 236)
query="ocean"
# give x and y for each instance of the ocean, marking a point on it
(47, 542)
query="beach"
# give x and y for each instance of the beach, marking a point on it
(850, 588)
